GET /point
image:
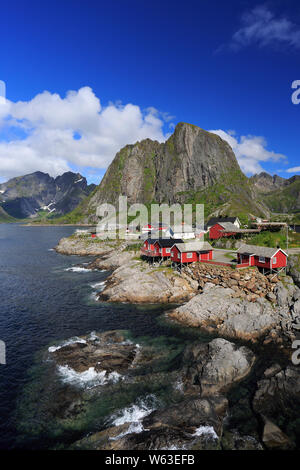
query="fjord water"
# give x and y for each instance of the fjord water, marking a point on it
(43, 300)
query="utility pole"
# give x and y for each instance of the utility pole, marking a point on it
(287, 238)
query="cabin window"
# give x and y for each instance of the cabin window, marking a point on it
(262, 259)
(189, 255)
(160, 250)
(274, 260)
(168, 250)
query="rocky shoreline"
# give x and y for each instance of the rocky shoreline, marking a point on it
(235, 306)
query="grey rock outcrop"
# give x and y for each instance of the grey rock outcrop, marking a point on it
(136, 283)
(214, 367)
(217, 310)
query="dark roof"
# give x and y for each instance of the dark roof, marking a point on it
(218, 220)
(168, 242)
(151, 240)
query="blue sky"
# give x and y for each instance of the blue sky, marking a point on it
(136, 69)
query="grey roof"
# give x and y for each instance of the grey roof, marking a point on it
(193, 246)
(258, 250)
(229, 226)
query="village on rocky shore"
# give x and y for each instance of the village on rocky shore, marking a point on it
(246, 311)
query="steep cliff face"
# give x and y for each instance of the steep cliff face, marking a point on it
(28, 195)
(193, 165)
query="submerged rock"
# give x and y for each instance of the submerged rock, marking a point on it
(232, 440)
(103, 352)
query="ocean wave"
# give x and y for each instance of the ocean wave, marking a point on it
(134, 415)
(98, 285)
(87, 379)
(52, 349)
(207, 431)
(78, 269)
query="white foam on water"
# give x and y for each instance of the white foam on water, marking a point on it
(98, 285)
(52, 349)
(93, 336)
(173, 447)
(78, 269)
(87, 379)
(93, 296)
(134, 414)
(207, 431)
(179, 385)
(51, 249)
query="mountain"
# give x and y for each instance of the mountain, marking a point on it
(4, 217)
(280, 195)
(38, 193)
(193, 165)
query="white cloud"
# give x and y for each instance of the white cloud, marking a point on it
(260, 26)
(56, 132)
(295, 169)
(250, 151)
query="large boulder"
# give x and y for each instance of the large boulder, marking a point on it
(274, 438)
(212, 368)
(190, 415)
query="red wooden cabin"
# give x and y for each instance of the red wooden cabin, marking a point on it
(262, 257)
(191, 252)
(224, 229)
(163, 246)
(148, 248)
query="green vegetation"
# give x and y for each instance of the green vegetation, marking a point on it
(274, 239)
(134, 247)
(233, 191)
(4, 217)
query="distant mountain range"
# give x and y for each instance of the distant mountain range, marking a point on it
(39, 194)
(192, 166)
(280, 195)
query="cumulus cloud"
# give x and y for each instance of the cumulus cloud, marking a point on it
(250, 151)
(262, 27)
(50, 133)
(295, 169)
